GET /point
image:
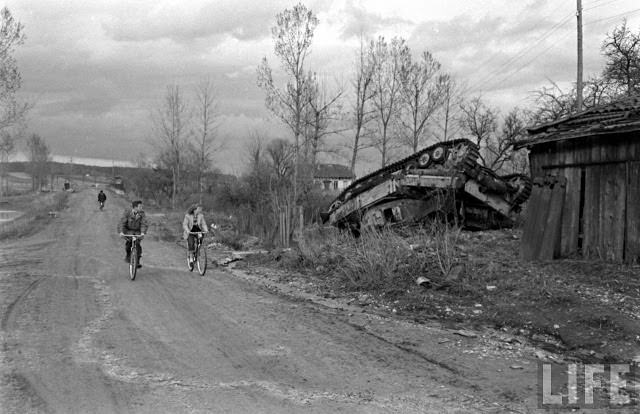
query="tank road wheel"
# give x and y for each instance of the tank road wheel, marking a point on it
(411, 165)
(521, 184)
(439, 153)
(424, 159)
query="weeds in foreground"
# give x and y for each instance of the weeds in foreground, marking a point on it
(445, 242)
(380, 257)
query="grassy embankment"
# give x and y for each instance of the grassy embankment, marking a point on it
(589, 309)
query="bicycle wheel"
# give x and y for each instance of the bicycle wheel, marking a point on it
(133, 262)
(189, 263)
(201, 259)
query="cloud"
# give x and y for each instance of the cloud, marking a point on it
(357, 21)
(494, 52)
(189, 21)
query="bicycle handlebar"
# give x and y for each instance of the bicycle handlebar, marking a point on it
(133, 235)
(198, 232)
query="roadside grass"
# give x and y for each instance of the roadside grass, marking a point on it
(36, 208)
(477, 279)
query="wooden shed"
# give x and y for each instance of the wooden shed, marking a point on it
(597, 213)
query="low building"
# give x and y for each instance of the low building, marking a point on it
(333, 177)
(596, 155)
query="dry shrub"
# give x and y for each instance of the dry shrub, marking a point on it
(322, 246)
(444, 241)
(378, 258)
(381, 258)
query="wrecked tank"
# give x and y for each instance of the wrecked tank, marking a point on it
(443, 180)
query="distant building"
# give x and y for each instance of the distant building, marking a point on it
(333, 177)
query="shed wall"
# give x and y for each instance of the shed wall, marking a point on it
(601, 212)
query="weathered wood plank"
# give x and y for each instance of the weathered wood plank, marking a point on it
(571, 212)
(591, 216)
(612, 211)
(632, 245)
(550, 242)
(536, 214)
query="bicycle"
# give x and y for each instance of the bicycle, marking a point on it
(134, 256)
(199, 255)
(101, 203)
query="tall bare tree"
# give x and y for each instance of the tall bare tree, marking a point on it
(447, 120)
(292, 36)
(362, 111)
(11, 36)
(422, 95)
(171, 125)
(39, 153)
(321, 115)
(206, 127)
(386, 59)
(254, 151)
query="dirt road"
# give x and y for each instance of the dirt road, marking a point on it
(78, 336)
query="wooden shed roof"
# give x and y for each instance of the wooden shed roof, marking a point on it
(616, 117)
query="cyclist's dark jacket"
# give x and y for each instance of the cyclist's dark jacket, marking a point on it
(132, 223)
(102, 197)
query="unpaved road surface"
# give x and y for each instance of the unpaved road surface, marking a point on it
(79, 337)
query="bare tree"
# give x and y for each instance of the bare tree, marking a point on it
(322, 112)
(362, 112)
(11, 35)
(386, 59)
(622, 50)
(514, 128)
(281, 158)
(254, 151)
(205, 134)
(480, 122)
(171, 126)
(553, 103)
(447, 122)
(39, 154)
(422, 95)
(292, 36)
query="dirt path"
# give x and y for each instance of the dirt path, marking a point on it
(78, 336)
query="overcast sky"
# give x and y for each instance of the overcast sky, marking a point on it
(96, 69)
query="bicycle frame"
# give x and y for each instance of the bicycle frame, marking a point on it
(133, 254)
(198, 257)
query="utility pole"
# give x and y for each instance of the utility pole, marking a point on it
(579, 82)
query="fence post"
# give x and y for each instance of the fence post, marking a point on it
(301, 215)
(282, 228)
(287, 222)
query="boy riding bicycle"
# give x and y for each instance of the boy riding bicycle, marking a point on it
(102, 197)
(193, 222)
(133, 221)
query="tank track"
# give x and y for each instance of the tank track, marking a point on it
(372, 179)
(523, 184)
